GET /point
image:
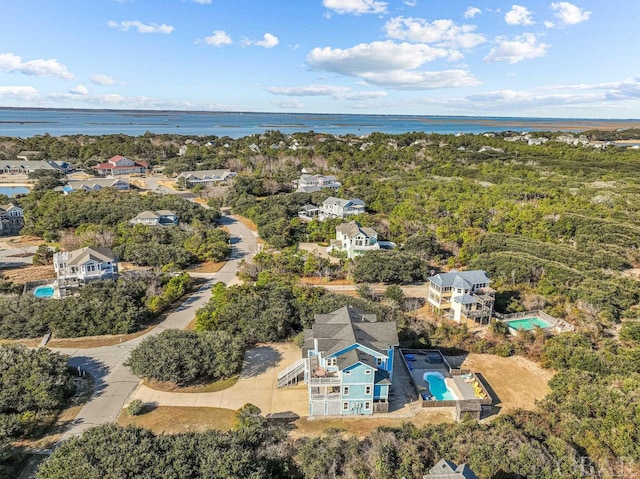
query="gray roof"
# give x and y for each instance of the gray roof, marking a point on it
(81, 256)
(308, 189)
(221, 174)
(352, 229)
(343, 203)
(465, 299)
(309, 208)
(166, 212)
(347, 326)
(448, 470)
(460, 279)
(90, 183)
(9, 206)
(147, 215)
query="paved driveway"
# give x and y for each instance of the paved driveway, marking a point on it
(113, 381)
(257, 385)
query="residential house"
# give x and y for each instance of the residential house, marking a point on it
(28, 155)
(347, 363)
(308, 212)
(119, 165)
(312, 183)
(156, 218)
(334, 207)
(84, 265)
(95, 184)
(464, 296)
(11, 219)
(24, 167)
(206, 177)
(448, 470)
(354, 239)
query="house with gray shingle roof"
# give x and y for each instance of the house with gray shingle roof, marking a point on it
(155, 218)
(464, 296)
(347, 363)
(354, 239)
(312, 183)
(334, 207)
(206, 177)
(448, 470)
(84, 265)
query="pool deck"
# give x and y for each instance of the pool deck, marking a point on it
(456, 384)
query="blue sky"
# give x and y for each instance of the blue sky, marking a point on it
(423, 57)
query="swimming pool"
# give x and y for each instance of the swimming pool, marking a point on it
(44, 292)
(528, 323)
(438, 387)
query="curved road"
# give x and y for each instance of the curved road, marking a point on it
(113, 381)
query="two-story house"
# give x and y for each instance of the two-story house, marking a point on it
(347, 363)
(119, 165)
(354, 239)
(11, 219)
(334, 207)
(312, 183)
(444, 469)
(83, 265)
(155, 218)
(464, 296)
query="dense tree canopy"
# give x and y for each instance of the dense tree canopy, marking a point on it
(186, 357)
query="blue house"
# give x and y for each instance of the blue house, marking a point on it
(347, 363)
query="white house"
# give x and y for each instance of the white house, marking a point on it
(11, 219)
(83, 265)
(95, 184)
(206, 177)
(462, 295)
(354, 239)
(156, 218)
(312, 183)
(334, 207)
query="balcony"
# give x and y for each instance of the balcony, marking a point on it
(325, 381)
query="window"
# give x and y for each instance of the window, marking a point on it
(345, 391)
(345, 406)
(367, 390)
(348, 373)
(367, 371)
(367, 406)
(378, 361)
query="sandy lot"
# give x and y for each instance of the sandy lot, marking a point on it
(517, 382)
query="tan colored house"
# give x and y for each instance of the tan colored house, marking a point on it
(463, 296)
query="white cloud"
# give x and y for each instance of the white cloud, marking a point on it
(471, 12)
(337, 92)
(410, 3)
(391, 65)
(218, 38)
(518, 15)
(268, 41)
(79, 90)
(422, 80)
(443, 33)
(141, 27)
(356, 7)
(41, 68)
(101, 79)
(374, 57)
(288, 103)
(568, 14)
(22, 93)
(522, 47)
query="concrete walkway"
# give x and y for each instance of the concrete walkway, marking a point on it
(257, 385)
(114, 382)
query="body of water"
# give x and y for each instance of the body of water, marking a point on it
(27, 122)
(13, 190)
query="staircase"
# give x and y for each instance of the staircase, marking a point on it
(292, 373)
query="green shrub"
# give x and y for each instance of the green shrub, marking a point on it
(135, 407)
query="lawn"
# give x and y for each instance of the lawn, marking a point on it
(203, 388)
(172, 420)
